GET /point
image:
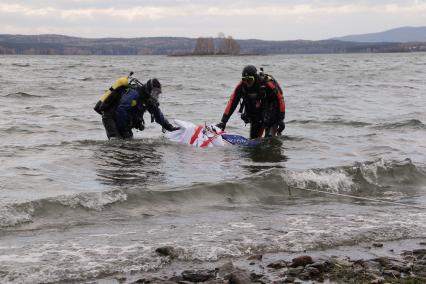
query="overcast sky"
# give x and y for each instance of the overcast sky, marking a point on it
(261, 19)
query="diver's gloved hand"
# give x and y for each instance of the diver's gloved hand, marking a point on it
(170, 127)
(245, 118)
(221, 125)
(140, 127)
(97, 107)
(281, 127)
(139, 123)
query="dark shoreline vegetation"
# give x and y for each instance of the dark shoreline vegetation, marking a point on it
(407, 266)
(174, 46)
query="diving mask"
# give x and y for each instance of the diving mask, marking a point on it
(155, 93)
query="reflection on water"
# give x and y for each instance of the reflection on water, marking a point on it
(129, 163)
(268, 154)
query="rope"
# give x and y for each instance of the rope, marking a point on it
(362, 198)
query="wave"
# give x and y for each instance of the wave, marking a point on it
(409, 123)
(371, 178)
(332, 122)
(21, 64)
(383, 179)
(22, 95)
(48, 107)
(23, 129)
(16, 214)
(71, 66)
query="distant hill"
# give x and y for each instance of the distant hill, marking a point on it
(66, 45)
(63, 45)
(403, 34)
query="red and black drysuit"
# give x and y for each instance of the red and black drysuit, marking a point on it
(262, 106)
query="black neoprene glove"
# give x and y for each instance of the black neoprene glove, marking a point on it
(170, 127)
(221, 125)
(281, 127)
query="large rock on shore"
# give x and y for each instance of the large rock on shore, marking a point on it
(239, 277)
(201, 275)
(167, 251)
(301, 261)
(409, 267)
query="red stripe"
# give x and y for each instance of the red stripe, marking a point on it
(280, 96)
(281, 100)
(194, 137)
(229, 105)
(206, 143)
(231, 100)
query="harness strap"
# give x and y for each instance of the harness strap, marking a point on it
(208, 141)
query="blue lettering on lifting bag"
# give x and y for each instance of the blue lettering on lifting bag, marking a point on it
(235, 139)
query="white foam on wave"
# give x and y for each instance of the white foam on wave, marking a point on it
(70, 261)
(93, 201)
(328, 180)
(12, 216)
(370, 170)
(123, 250)
(241, 225)
(16, 214)
(34, 257)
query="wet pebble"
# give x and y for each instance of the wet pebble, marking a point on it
(278, 264)
(239, 277)
(301, 261)
(312, 271)
(419, 270)
(321, 265)
(225, 269)
(392, 273)
(379, 280)
(201, 275)
(255, 257)
(167, 251)
(295, 271)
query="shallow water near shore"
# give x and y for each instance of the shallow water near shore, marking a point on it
(75, 207)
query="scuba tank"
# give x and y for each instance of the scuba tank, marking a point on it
(270, 107)
(110, 96)
(266, 78)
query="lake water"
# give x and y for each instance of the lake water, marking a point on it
(76, 207)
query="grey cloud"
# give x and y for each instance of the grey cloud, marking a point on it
(267, 19)
(80, 4)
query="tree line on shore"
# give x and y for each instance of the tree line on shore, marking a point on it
(65, 45)
(222, 46)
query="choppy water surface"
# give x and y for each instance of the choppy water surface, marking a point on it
(76, 207)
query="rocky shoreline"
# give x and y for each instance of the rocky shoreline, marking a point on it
(404, 266)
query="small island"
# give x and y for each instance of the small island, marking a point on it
(209, 46)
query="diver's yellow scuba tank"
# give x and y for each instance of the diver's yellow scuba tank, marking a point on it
(121, 82)
(105, 100)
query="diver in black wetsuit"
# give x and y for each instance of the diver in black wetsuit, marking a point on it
(125, 108)
(262, 104)
(107, 104)
(133, 105)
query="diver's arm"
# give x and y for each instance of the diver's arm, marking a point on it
(232, 104)
(275, 89)
(158, 115)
